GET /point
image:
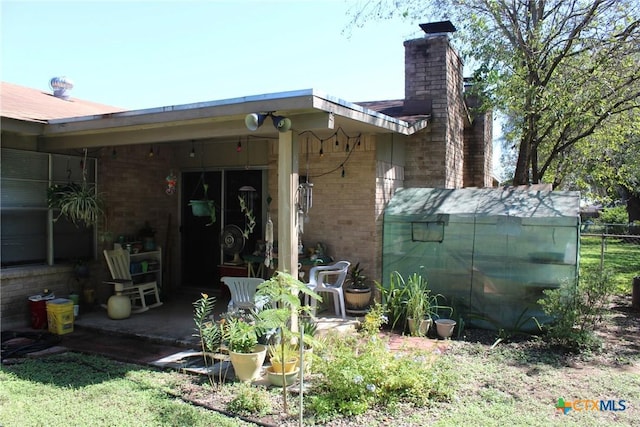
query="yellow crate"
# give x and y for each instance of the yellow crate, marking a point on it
(60, 316)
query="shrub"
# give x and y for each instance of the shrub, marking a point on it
(578, 309)
(250, 400)
(362, 373)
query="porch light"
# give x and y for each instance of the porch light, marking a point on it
(254, 120)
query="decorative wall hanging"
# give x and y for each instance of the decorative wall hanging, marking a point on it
(172, 180)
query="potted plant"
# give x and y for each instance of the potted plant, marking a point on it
(308, 329)
(421, 306)
(283, 293)
(357, 292)
(79, 203)
(283, 358)
(247, 356)
(204, 207)
(417, 305)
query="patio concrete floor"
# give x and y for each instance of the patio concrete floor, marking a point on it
(163, 336)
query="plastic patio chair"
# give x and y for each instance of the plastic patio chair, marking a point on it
(329, 279)
(118, 263)
(243, 293)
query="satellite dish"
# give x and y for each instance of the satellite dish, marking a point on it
(232, 242)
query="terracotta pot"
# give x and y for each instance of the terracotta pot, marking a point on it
(445, 327)
(247, 365)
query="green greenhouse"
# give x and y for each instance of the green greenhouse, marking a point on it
(490, 252)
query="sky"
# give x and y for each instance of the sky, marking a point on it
(158, 53)
(147, 54)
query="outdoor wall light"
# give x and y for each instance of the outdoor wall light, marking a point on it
(254, 120)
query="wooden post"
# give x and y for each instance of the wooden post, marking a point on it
(287, 188)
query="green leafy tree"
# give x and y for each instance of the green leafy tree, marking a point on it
(563, 72)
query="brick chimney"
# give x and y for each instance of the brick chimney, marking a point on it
(434, 86)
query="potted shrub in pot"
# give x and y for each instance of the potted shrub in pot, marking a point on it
(241, 338)
(283, 358)
(357, 292)
(417, 305)
(421, 306)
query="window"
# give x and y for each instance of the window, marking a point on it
(427, 231)
(29, 236)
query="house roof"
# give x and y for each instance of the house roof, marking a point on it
(33, 105)
(75, 123)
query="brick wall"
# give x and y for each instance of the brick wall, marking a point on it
(433, 73)
(478, 152)
(344, 214)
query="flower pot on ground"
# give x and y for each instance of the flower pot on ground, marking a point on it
(278, 379)
(421, 328)
(357, 293)
(283, 357)
(246, 355)
(421, 304)
(247, 366)
(445, 327)
(308, 329)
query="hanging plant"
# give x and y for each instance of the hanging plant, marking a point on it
(204, 207)
(79, 203)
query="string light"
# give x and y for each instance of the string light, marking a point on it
(151, 153)
(239, 146)
(347, 149)
(342, 173)
(192, 154)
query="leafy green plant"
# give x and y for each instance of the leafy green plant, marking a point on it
(282, 352)
(358, 374)
(578, 309)
(283, 291)
(393, 297)
(80, 203)
(355, 279)
(250, 401)
(240, 336)
(373, 320)
(208, 331)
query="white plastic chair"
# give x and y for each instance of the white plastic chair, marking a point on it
(243, 292)
(118, 263)
(329, 279)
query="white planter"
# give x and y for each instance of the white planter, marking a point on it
(445, 327)
(421, 329)
(247, 366)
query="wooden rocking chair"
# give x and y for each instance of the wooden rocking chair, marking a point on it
(118, 262)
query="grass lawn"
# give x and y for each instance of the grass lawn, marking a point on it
(515, 384)
(622, 258)
(78, 390)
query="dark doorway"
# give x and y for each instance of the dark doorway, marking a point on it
(201, 250)
(200, 242)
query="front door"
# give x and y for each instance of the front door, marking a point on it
(200, 239)
(201, 250)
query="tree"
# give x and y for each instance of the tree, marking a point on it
(562, 71)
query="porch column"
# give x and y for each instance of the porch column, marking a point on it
(287, 188)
